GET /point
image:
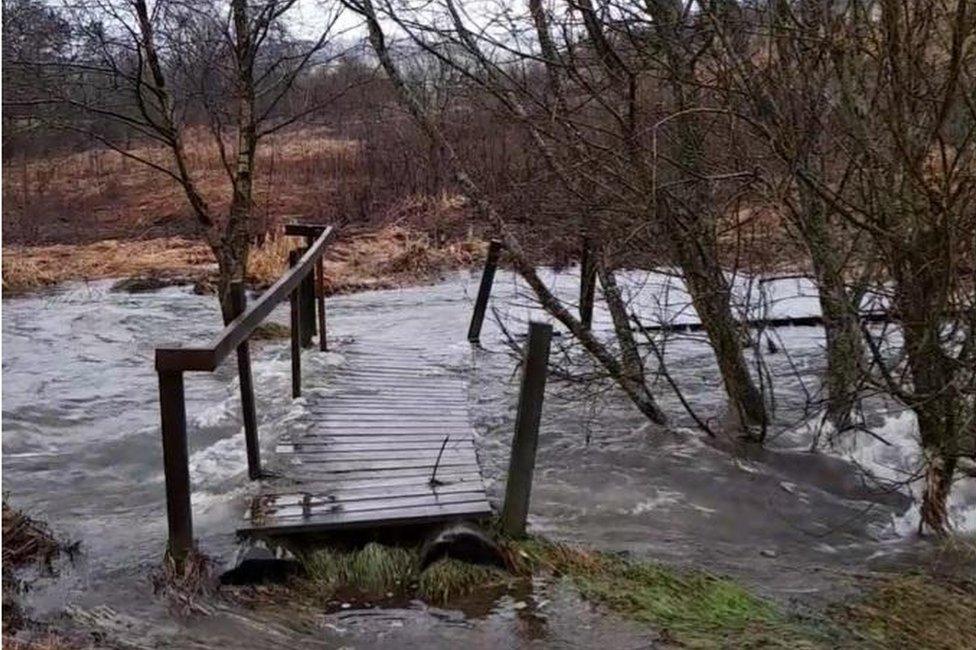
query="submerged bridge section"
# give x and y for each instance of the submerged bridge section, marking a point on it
(390, 443)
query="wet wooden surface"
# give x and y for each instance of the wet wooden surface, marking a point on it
(368, 453)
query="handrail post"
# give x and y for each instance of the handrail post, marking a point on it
(176, 464)
(249, 414)
(296, 331)
(320, 296)
(484, 291)
(518, 486)
(308, 303)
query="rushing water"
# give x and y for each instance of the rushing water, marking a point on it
(81, 449)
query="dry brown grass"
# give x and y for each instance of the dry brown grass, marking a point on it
(100, 194)
(393, 256)
(26, 540)
(34, 267)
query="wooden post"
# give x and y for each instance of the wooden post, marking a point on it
(176, 464)
(587, 284)
(484, 291)
(307, 293)
(239, 303)
(296, 332)
(521, 464)
(320, 293)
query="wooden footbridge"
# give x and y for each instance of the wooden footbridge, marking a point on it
(390, 446)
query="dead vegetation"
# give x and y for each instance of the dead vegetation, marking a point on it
(27, 543)
(99, 194)
(31, 268)
(390, 257)
(26, 540)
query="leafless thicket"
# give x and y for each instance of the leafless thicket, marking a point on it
(854, 121)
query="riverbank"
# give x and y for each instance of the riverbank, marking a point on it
(390, 257)
(665, 605)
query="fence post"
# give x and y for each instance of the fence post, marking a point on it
(249, 414)
(320, 294)
(587, 284)
(518, 486)
(176, 464)
(295, 302)
(484, 291)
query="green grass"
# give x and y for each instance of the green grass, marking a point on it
(375, 572)
(689, 608)
(693, 608)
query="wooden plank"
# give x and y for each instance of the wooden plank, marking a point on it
(366, 480)
(406, 455)
(374, 518)
(379, 428)
(381, 447)
(325, 494)
(327, 507)
(319, 438)
(326, 464)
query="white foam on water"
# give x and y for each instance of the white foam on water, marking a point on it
(892, 456)
(224, 460)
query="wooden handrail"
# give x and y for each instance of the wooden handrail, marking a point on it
(172, 362)
(240, 329)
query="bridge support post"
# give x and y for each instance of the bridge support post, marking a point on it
(320, 295)
(521, 466)
(248, 412)
(307, 294)
(484, 291)
(176, 464)
(296, 332)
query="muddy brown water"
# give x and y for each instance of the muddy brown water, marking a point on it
(81, 450)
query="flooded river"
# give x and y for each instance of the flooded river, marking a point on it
(81, 450)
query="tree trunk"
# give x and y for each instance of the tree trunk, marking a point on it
(840, 317)
(921, 291)
(711, 296)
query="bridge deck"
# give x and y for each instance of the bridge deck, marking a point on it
(368, 454)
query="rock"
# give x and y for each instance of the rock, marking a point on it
(259, 566)
(768, 552)
(145, 284)
(463, 542)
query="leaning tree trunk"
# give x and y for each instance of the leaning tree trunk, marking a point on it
(711, 296)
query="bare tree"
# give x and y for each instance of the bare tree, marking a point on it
(156, 67)
(899, 108)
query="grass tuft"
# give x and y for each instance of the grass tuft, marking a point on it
(915, 611)
(447, 579)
